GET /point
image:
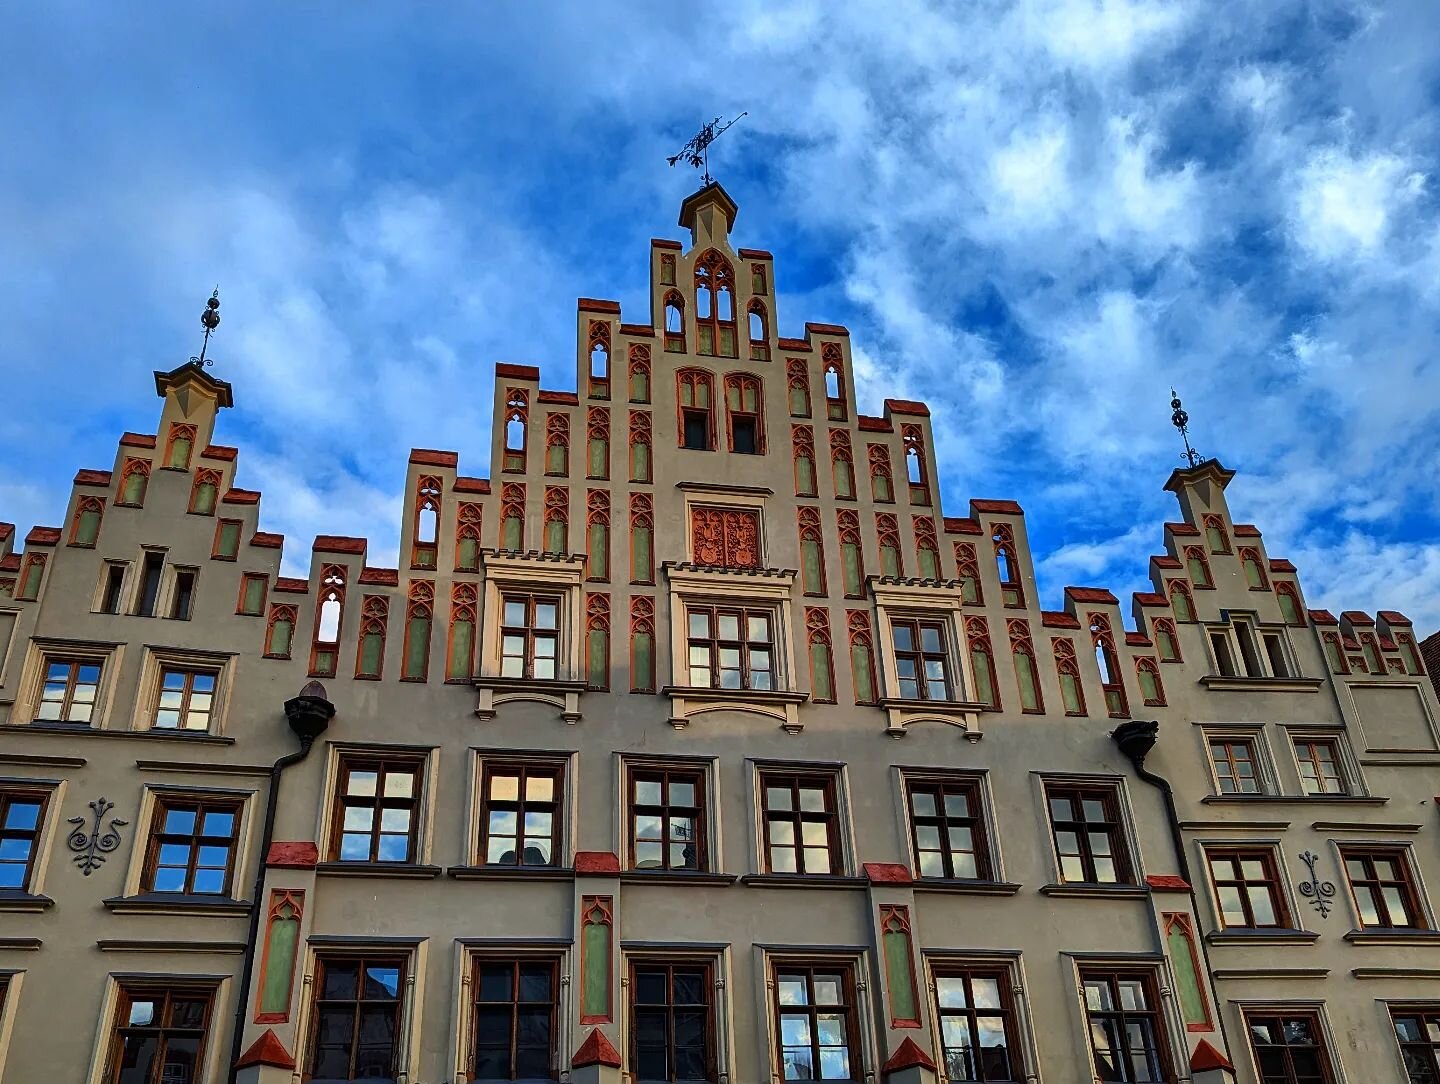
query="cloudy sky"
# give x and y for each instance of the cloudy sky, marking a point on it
(1035, 215)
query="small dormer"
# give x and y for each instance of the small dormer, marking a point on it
(193, 398)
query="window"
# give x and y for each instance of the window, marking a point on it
(1068, 671)
(802, 439)
(639, 373)
(329, 614)
(812, 552)
(1243, 650)
(1289, 1047)
(674, 323)
(152, 570)
(801, 828)
(744, 413)
(1215, 535)
(1254, 571)
(521, 814)
(947, 829)
(517, 413)
(672, 1034)
(1234, 762)
(182, 598)
(835, 406)
(640, 458)
(731, 648)
(180, 444)
(1198, 566)
(667, 819)
(759, 333)
(696, 393)
(85, 527)
(112, 586)
(597, 640)
(204, 491)
(882, 485)
(280, 632)
(377, 810)
(599, 360)
(1417, 1029)
(514, 1022)
(1289, 600)
(186, 700)
(642, 538)
(597, 447)
(842, 464)
(1384, 888)
(425, 539)
(1247, 887)
(982, 662)
(1167, 640)
(70, 691)
(252, 594)
(1127, 1038)
(22, 815)
(529, 636)
(977, 1023)
(815, 1021)
(597, 535)
(192, 846)
(1320, 770)
(642, 644)
(158, 1036)
(467, 537)
(797, 381)
(1027, 675)
(1007, 565)
(134, 479)
(913, 439)
(374, 619)
(921, 659)
(715, 305)
(1089, 841)
(356, 1023)
(1108, 662)
(852, 553)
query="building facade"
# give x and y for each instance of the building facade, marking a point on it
(695, 742)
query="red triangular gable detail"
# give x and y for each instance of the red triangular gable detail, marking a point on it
(1207, 1057)
(267, 1050)
(595, 1050)
(907, 1056)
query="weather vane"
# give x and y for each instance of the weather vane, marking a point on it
(697, 151)
(209, 320)
(1181, 421)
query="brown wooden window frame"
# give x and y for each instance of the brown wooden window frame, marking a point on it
(1239, 879)
(324, 962)
(809, 969)
(521, 805)
(70, 685)
(517, 1005)
(713, 643)
(970, 1014)
(10, 797)
(670, 1008)
(530, 633)
(383, 766)
(1225, 755)
(1122, 1018)
(665, 810)
(918, 656)
(1279, 1016)
(164, 1032)
(940, 790)
(1377, 886)
(188, 694)
(1306, 753)
(1423, 1053)
(194, 841)
(1111, 825)
(796, 817)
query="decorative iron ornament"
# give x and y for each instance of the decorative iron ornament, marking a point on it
(93, 846)
(209, 320)
(1318, 892)
(697, 152)
(1181, 421)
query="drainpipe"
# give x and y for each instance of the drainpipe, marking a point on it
(308, 715)
(1135, 739)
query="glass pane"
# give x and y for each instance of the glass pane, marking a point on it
(361, 783)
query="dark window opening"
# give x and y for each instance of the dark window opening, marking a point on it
(697, 430)
(742, 435)
(184, 595)
(114, 581)
(150, 585)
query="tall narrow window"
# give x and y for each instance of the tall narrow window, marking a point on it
(642, 538)
(419, 619)
(1152, 688)
(204, 492)
(822, 662)
(917, 473)
(134, 479)
(639, 373)
(1127, 1033)
(374, 617)
(835, 403)
(597, 428)
(356, 1017)
(1089, 843)
(180, 445)
(982, 662)
(1417, 1029)
(329, 613)
(1254, 572)
(977, 1023)
(852, 552)
(642, 644)
(597, 535)
(597, 640)
(887, 527)
(159, 1034)
(797, 381)
(1067, 669)
(1198, 566)
(759, 332)
(22, 815)
(1027, 675)
(1335, 653)
(515, 1019)
(801, 824)
(1215, 535)
(1234, 763)
(1108, 661)
(744, 413)
(843, 464)
(227, 540)
(1181, 602)
(85, 528)
(529, 636)
(715, 305)
(182, 596)
(759, 280)
(377, 810)
(467, 537)
(1371, 649)
(1167, 639)
(815, 1020)
(512, 516)
(113, 588)
(599, 360)
(862, 655)
(922, 659)
(460, 646)
(280, 631)
(557, 519)
(927, 547)
(967, 571)
(425, 539)
(1320, 766)
(803, 449)
(1383, 888)
(517, 412)
(667, 811)
(557, 444)
(192, 846)
(674, 323)
(695, 392)
(882, 482)
(252, 593)
(1289, 1046)
(1290, 608)
(812, 553)
(641, 469)
(151, 572)
(521, 814)
(1007, 565)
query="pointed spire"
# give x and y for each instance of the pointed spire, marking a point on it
(209, 320)
(1181, 421)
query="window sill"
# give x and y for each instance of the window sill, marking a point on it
(676, 877)
(1393, 937)
(802, 880)
(1221, 683)
(73, 729)
(1095, 891)
(687, 701)
(176, 903)
(18, 900)
(510, 873)
(1296, 799)
(1262, 937)
(960, 887)
(549, 685)
(409, 870)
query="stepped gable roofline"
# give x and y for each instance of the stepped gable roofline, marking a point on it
(644, 330)
(1003, 508)
(516, 372)
(379, 577)
(194, 372)
(715, 193)
(826, 329)
(1323, 617)
(43, 536)
(430, 457)
(241, 496)
(138, 440)
(1211, 468)
(960, 525)
(220, 451)
(1149, 598)
(1057, 619)
(336, 543)
(907, 406)
(562, 398)
(1246, 530)
(1185, 530)
(664, 242)
(1389, 644)
(267, 540)
(754, 254)
(794, 344)
(1164, 560)
(595, 304)
(6, 530)
(1137, 639)
(1357, 617)
(291, 585)
(1394, 617)
(870, 424)
(10, 563)
(92, 478)
(464, 484)
(908, 1055)
(1091, 594)
(1279, 564)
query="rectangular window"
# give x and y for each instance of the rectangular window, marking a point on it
(1235, 765)
(182, 598)
(921, 661)
(1289, 1047)
(977, 1023)
(111, 588)
(1417, 1030)
(356, 1019)
(227, 540)
(22, 815)
(672, 1034)
(377, 810)
(520, 816)
(515, 1019)
(1384, 888)
(529, 636)
(1320, 770)
(186, 700)
(1089, 841)
(667, 819)
(697, 429)
(252, 594)
(948, 830)
(152, 570)
(70, 691)
(815, 1021)
(1247, 887)
(192, 846)
(158, 1036)
(1127, 1038)
(731, 649)
(801, 826)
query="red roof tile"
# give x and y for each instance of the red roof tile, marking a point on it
(43, 536)
(1279, 564)
(643, 330)
(886, 873)
(292, 585)
(661, 242)
(908, 1055)
(1008, 508)
(793, 344)
(6, 530)
(1057, 619)
(596, 1050)
(267, 1050)
(137, 440)
(870, 424)
(220, 451)
(755, 254)
(594, 304)
(958, 525)
(516, 372)
(1187, 530)
(292, 855)
(1357, 617)
(825, 329)
(907, 406)
(1393, 617)
(380, 577)
(1167, 882)
(1164, 560)
(429, 457)
(267, 540)
(596, 863)
(337, 543)
(1206, 1057)
(1246, 530)
(241, 496)
(471, 485)
(1091, 594)
(10, 562)
(1323, 617)
(1150, 598)
(92, 478)
(1137, 639)
(565, 398)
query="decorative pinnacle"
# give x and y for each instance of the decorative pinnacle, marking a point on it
(209, 320)
(697, 151)
(1181, 421)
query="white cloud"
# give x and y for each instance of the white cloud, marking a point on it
(1345, 205)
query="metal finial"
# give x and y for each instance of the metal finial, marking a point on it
(697, 151)
(209, 320)
(1181, 421)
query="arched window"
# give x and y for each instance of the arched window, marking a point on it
(1108, 661)
(1413, 663)
(1254, 571)
(1022, 653)
(467, 538)
(517, 410)
(1215, 536)
(32, 574)
(642, 644)
(1335, 652)
(888, 530)
(1198, 565)
(852, 553)
(862, 655)
(843, 464)
(425, 539)
(639, 373)
(1181, 602)
(642, 539)
(329, 613)
(913, 440)
(1152, 689)
(204, 492)
(695, 393)
(1167, 641)
(1372, 653)
(597, 641)
(134, 479)
(557, 519)
(280, 631)
(1007, 564)
(180, 445)
(797, 382)
(599, 359)
(674, 323)
(822, 663)
(836, 408)
(759, 332)
(1068, 671)
(803, 442)
(640, 462)
(597, 535)
(967, 571)
(370, 656)
(927, 547)
(419, 617)
(597, 458)
(512, 516)
(744, 413)
(982, 663)
(460, 645)
(882, 485)
(85, 528)
(557, 444)
(812, 553)
(1289, 600)
(715, 305)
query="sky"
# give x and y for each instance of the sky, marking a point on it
(1036, 216)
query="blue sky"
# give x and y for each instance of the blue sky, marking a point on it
(1034, 215)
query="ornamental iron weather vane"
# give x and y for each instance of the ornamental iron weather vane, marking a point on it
(697, 152)
(209, 320)
(1181, 421)
(94, 845)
